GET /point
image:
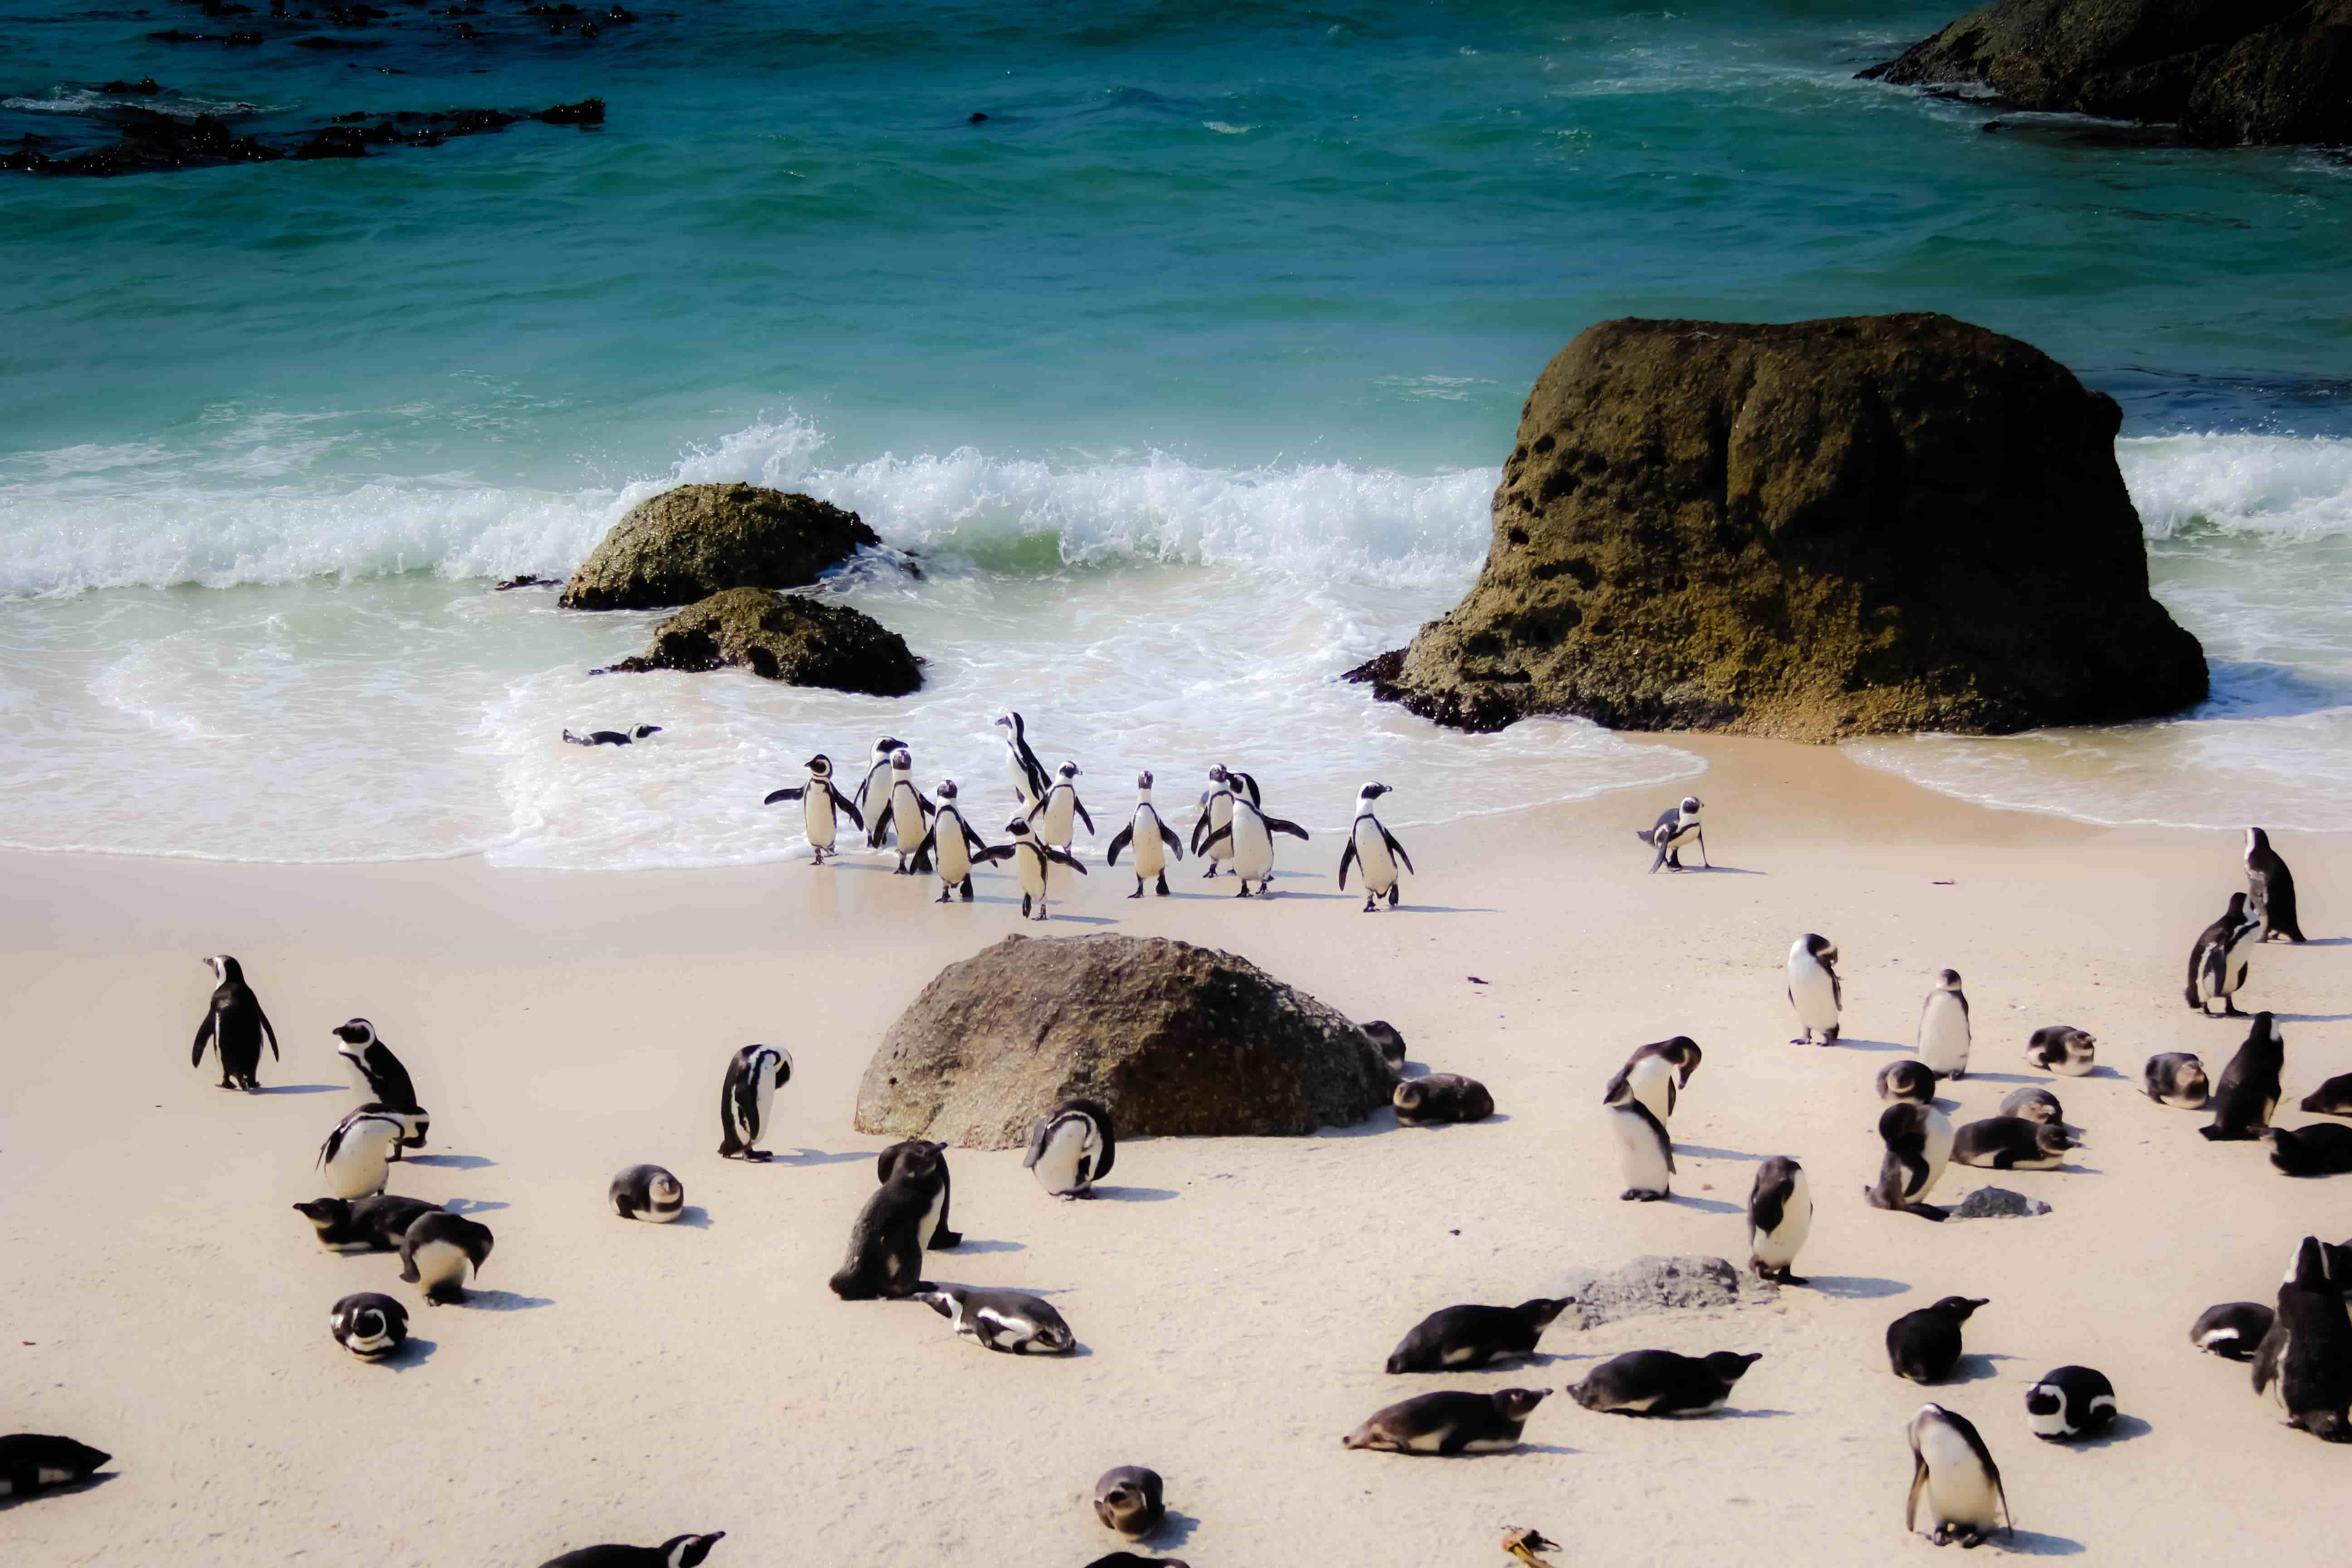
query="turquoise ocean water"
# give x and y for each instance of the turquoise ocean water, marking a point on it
(1188, 369)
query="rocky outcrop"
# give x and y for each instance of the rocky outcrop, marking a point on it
(1663, 1285)
(788, 637)
(1173, 1039)
(1859, 526)
(689, 542)
(2226, 71)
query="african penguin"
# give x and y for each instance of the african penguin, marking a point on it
(1458, 1337)
(885, 1243)
(1677, 827)
(1814, 990)
(1153, 840)
(32, 1460)
(2232, 1330)
(1071, 1147)
(747, 1096)
(1374, 848)
(2322, 1148)
(369, 1325)
(2249, 1090)
(1029, 781)
(1439, 1098)
(2333, 1097)
(951, 845)
(2178, 1079)
(648, 1193)
(1918, 1139)
(1644, 1153)
(363, 1225)
(612, 737)
(822, 807)
(1389, 1042)
(2304, 1361)
(2064, 1049)
(1656, 1074)
(907, 815)
(1136, 1560)
(1662, 1383)
(1907, 1080)
(380, 1077)
(1127, 1499)
(1054, 818)
(234, 1025)
(1944, 1027)
(677, 1552)
(921, 1156)
(2069, 1401)
(2012, 1143)
(2034, 1104)
(874, 787)
(1780, 1218)
(1453, 1422)
(1925, 1345)
(438, 1250)
(1007, 1321)
(1950, 1463)
(1251, 833)
(1216, 815)
(356, 1156)
(2270, 888)
(1033, 863)
(2217, 964)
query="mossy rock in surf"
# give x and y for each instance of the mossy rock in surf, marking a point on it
(788, 637)
(1172, 1039)
(690, 542)
(1861, 526)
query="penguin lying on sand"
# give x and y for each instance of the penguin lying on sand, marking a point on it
(32, 1460)
(677, 1552)
(1663, 1382)
(1452, 1422)
(1460, 1337)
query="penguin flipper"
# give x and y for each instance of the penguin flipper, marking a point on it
(270, 1033)
(1918, 1480)
(1200, 824)
(923, 851)
(1063, 857)
(1277, 825)
(1347, 858)
(991, 853)
(1224, 835)
(1118, 841)
(1080, 808)
(926, 804)
(1167, 836)
(846, 807)
(1036, 1150)
(203, 1037)
(1837, 991)
(1395, 848)
(777, 796)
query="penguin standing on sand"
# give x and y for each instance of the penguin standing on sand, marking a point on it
(951, 845)
(1780, 1218)
(2270, 888)
(1217, 812)
(1071, 1148)
(438, 1252)
(382, 1078)
(745, 1097)
(886, 1243)
(1656, 1074)
(1950, 1463)
(1644, 1153)
(2217, 965)
(2248, 1093)
(1251, 832)
(1153, 840)
(1055, 817)
(874, 789)
(1813, 988)
(1675, 829)
(821, 806)
(2304, 1361)
(1372, 847)
(234, 1025)
(1944, 1027)
(1029, 780)
(923, 1158)
(1918, 1139)
(908, 813)
(1032, 861)
(357, 1154)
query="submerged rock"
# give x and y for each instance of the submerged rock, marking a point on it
(2264, 70)
(1998, 1203)
(1663, 1284)
(1173, 1039)
(1857, 526)
(788, 637)
(689, 542)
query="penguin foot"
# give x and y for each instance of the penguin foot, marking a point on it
(2232, 1010)
(967, 889)
(1929, 1211)
(1244, 892)
(1639, 1195)
(758, 1156)
(1370, 908)
(1210, 872)
(1139, 891)
(943, 896)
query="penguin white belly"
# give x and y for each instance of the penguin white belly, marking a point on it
(359, 1168)
(1958, 1489)
(1943, 1036)
(1054, 825)
(1151, 854)
(359, 1079)
(439, 1263)
(1020, 776)
(1810, 992)
(1066, 1151)
(1033, 872)
(875, 801)
(1490, 1445)
(1221, 815)
(907, 817)
(817, 816)
(929, 1224)
(763, 1098)
(1778, 1248)
(950, 854)
(1253, 848)
(1640, 1153)
(1428, 1442)
(1653, 1083)
(1937, 1152)
(1373, 855)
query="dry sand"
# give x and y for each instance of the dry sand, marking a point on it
(1234, 1299)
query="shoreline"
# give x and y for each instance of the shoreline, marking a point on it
(629, 1383)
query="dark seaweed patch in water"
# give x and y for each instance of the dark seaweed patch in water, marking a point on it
(150, 143)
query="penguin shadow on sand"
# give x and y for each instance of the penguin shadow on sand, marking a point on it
(412, 1354)
(2035, 1543)
(451, 1162)
(814, 1157)
(473, 1206)
(1707, 1151)
(2122, 1429)
(2308, 1017)
(1855, 1043)
(1853, 1287)
(1174, 1528)
(505, 1302)
(1704, 1206)
(301, 1089)
(970, 1245)
(1976, 1366)
(1135, 1195)
(693, 1216)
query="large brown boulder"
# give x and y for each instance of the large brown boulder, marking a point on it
(788, 637)
(1859, 526)
(2226, 70)
(1173, 1039)
(689, 542)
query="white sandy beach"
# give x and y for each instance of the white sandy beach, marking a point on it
(1234, 1299)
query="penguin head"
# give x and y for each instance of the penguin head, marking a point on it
(1948, 980)
(1370, 792)
(1121, 1501)
(1519, 1404)
(1823, 950)
(2052, 1137)
(2307, 1270)
(946, 790)
(1217, 773)
(2237, 905)
(901, 760)
(640, 731)
(1541, 1311)
(358, 1032)
(1730, 1366)
(941, 1299)
(886, 745)
(2044, 1399)
(1958, 1307)
(1684, 1052)
(1408, 1095)
(1143, 779)
(2266, 1026)
(1018, 827)
(325, 1213)
(1691, 803)
(686, 1551)
(820, 767)
(1068, 770)
(2256, 839)
(226, 970)
(1010, 720)
(1384, 1035)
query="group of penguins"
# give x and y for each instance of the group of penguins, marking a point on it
(934, 836)
(2301, 1347)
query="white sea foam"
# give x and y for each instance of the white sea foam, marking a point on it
(2278, 487)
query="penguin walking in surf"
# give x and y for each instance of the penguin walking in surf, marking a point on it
(1217, 811)
(746, 1098)
(2270, 888)
(1153, 840)
(1056, 815)
(907, 813)
(1814, 991)
(874, 789)
(1373, 848)
(234, 1025)
(1675, 829)
(1251, 833)
(1032, 860)
(822, 806)
(2217, 965)
(1028, 774)
(1944, 1027)
(951, 846)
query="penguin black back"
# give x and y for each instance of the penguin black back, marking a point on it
(234, 1025)
(2304, 1361)
(2322, 1148)
(2249, 1090)
(1469, 1336)
(32, 1460)
(1925, 1345)
(677, 1552)
(2270, 888)
(885, 1255)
